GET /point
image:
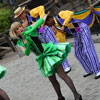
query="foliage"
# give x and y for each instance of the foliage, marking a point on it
(5, 20)
(1, 4)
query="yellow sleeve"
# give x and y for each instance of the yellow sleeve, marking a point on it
(38, 11)
(66, 16)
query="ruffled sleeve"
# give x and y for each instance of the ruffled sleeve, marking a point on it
(38, 11)
(66, 16)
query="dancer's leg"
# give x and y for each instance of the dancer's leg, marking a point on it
(68, 81)
(3, 95)
(56, 85)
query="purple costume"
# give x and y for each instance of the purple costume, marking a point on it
(83, 45)
(46, 36)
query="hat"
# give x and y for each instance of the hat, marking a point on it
(18, 11)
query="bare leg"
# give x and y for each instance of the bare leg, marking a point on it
(56, 86)
(68, 81)
(3, 95)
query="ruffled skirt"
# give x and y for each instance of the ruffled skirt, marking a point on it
(52, 57)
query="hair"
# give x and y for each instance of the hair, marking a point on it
(48, 19)
(13, 27)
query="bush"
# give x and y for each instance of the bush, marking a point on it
(5, 20)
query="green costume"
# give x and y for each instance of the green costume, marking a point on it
(2, 71)
(49, 56)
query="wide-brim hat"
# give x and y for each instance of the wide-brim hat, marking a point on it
(18, 11)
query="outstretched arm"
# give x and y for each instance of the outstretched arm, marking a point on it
(33, 27)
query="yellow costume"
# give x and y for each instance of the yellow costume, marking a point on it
(61, 37)
(38, 11)
(66, 16)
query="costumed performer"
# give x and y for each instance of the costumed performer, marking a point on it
(83, 43)
(28, 17)
(49, 56)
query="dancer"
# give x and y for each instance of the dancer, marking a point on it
(49, 58)
(30, 16)
(83, 43)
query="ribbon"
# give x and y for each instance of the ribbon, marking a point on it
(49, 50)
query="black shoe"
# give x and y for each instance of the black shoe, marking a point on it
(1, 57)
(96, 77)
(80, 98)
(87, 74)
(61, 98)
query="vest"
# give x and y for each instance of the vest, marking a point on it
(72, 27)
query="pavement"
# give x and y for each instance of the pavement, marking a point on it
(23, 80)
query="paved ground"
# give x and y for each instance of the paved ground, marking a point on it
(23, 80)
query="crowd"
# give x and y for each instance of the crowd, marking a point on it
(45, 36)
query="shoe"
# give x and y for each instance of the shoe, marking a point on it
(97, 75)
(87, 74)
(80, 98)
(1, 57)
(67, 70)
(62, 98)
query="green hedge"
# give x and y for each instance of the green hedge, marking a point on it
(5, 20)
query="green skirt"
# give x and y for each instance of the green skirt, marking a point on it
(53, 55)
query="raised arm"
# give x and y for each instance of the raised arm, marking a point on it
(66, 16)
(32, 28)
(38, 11)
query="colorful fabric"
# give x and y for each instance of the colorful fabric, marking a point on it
(47, 36)
(2, 71)
(32, 30)
(66, 16)
(61, 37)
(20, 43)
(72, 27)
(38, 11)
(84, 47)
(52, 56)
(88, 16)
(30, 19)
(85, 51)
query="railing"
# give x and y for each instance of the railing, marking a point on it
(5, 39)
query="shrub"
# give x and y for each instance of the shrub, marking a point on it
(5, 20)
